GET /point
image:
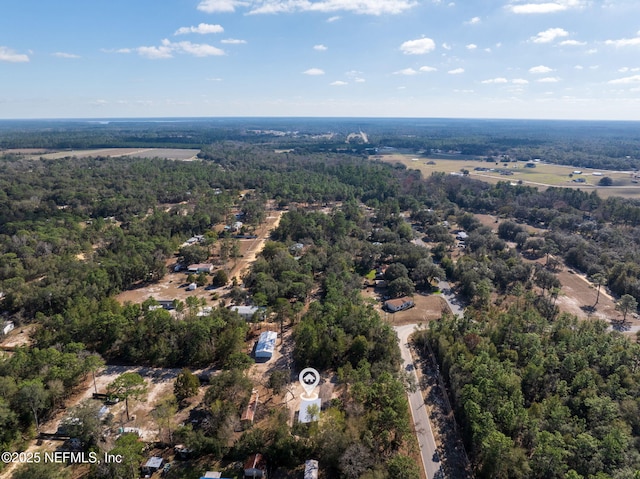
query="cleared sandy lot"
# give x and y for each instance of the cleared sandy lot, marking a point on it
(166, 153)
(174, 285)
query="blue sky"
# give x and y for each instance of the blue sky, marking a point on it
(574, 59)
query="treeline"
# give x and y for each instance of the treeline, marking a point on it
(34, 382)
(538, 398)
(147, 334)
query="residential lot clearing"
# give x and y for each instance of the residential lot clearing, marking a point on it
(544, 175)
(174, 284)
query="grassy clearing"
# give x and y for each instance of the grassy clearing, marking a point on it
(543, 175)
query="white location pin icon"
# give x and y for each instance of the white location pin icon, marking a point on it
(309, 379)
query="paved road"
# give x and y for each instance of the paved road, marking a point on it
(424, 433)
(457, 308)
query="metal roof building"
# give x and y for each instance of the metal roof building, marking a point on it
(266, 345)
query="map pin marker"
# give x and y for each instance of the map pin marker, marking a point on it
(309, 379)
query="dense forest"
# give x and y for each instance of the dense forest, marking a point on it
(538, 393)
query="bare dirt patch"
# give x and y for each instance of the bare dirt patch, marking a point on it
(165, 153)
(20, 336)
(251, 247)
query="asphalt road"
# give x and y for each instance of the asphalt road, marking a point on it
(457, 308)
(426, 441)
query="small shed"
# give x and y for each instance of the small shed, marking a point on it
(192, 287)
(266, 345)
(311, 469)
(167, 304)
(255, 466)
(249, 413)
(153, 465)
(7, 327)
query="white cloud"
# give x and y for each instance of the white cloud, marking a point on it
(456, 71)
(428, 69)
(446, 46)
(333, 19)
(320, 48)
(119, 50)
(625, 42)
(592, 51)
(196, 49)
(233, 41)
(627, 69)
(155, 53)
(572, 43)
(545, 7)
(216, 6)
(362, 7)
(472, 46)
(8, 55)
(473, 21)
(495, 80)
(168, 48)
(356, 76)
(406, 71)
(419, 46)
(549, 35)
(202, 28)
(314, 72)
(540, 69)
(625, 81)
(338, 83)
(519, 81)
(65, 55)
(549, 80)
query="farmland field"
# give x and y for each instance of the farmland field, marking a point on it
(166, 153)
(543, 175)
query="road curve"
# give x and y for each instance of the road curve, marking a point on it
(450, 297)
(426, 440)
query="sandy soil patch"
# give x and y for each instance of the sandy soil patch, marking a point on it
(165, 153)
(250, 248)
(20, 336)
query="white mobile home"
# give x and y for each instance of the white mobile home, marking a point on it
(400, 304)
(7, 327)
(266, 345)
(248, 312)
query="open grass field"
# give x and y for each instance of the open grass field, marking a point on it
(166, 153)
(542, 176)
